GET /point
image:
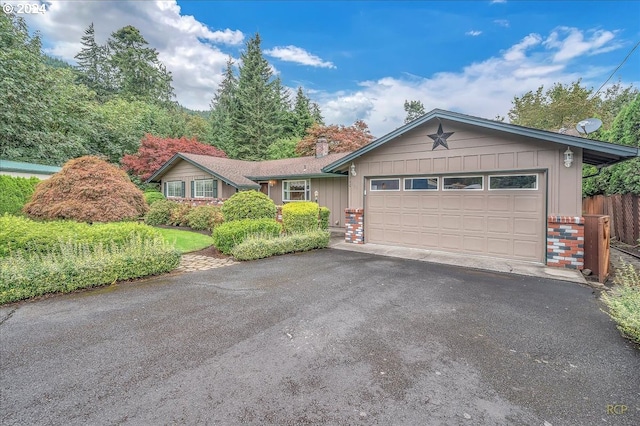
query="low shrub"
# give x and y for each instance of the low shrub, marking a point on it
(248, 205)
(160, 213)
(624, 302)
(324, 218)
(229, 234)
(204, 217)
(152, 196)
(20, 233)
(260, 247)
(300, 216)
(15, 192)
(72, 266)
(179, 215)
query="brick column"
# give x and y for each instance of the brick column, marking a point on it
(565, 242)
(354, 226)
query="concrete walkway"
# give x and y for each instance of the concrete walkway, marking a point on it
(465, 260)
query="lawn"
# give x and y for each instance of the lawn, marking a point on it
(186, 241)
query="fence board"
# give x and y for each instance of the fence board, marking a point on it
(624, 211)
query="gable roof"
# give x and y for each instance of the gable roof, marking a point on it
(244, 174)
(597, 153)
(19, 166)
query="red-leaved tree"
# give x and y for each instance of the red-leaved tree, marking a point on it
(340, 138)
(155, 151)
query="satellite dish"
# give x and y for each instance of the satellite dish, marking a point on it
(588, 125)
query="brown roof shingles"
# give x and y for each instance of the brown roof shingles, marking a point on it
(243, 174)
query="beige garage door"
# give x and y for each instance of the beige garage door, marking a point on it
(500, 215)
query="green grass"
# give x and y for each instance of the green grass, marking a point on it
(186, 241)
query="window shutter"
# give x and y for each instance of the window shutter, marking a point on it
(182, 189)
(192, 189)
(215, 189)
(165, 189)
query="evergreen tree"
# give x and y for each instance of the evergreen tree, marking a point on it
(414, 109)
(257, 116)
(138, 74)
(316, 114)
(92, 64)
(223, 108)
(302, 114)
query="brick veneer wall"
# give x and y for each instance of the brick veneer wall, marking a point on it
(565, 242)
(354, 226)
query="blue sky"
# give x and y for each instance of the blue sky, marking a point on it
(361, 60)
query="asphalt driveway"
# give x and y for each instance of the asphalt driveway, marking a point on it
(322, 337)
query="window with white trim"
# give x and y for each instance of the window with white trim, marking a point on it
(462, 183)
(511, 182)
(205, 188)
(174, 188)
(295, 190)
(385, 184)
(421, 184)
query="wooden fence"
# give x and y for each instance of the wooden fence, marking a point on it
(624, 211)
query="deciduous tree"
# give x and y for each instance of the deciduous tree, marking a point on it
(155, 151)
(340, 138)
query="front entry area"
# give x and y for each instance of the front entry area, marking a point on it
(499, 214)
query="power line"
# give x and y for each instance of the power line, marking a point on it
(616, 70)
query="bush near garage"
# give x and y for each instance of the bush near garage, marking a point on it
(15, 192)
(624, 302)
(160, 213)
(229, 234)
(301, 216)
(248, 205)
(87, 189)
(324, 218)
(70, 266)
(260, 247)
(204, 217)
(20, 233)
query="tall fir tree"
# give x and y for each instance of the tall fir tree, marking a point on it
(302, 114)
(138, 73)
(316, 114)
(256, 118)
(223, 108)
(92, 64)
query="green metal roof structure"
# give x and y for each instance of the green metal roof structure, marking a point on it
(596, 153)
(18, 166)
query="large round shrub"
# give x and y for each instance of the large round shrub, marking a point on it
(15, 192)
(248, 205)
(87, 189)
(230, 234)
(160, 213)
(204, 217)
(301, 216)
(152, 196)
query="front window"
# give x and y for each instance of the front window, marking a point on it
(174, 188)
(295, 190)
(205, 188)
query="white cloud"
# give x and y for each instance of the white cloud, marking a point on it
(473, 33)
(575, 44)
(189, 49)
(298, 55)
(498, 1)
(483, 88)
(502, 22)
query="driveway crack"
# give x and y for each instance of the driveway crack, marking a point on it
(2, 321)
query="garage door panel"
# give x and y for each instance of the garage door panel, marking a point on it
(501, 222)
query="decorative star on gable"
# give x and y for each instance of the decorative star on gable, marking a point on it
(440, 138)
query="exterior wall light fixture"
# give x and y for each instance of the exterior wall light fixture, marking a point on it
(568, 158)
(353, 169)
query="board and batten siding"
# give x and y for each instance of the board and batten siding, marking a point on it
(186, 172)
(472, 150)
(333, 194)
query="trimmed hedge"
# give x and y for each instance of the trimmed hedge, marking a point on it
(624, 302)
(152, 196)
(301, 216)
(248, 205)
(15, 192)
(324, 218)
(230, 234)
(72, 266)
(260, 247)
(21, 233)
(204, 217)
(160, 213)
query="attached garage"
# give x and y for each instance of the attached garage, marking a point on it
(489, 214)
(456, 183)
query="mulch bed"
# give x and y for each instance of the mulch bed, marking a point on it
(210, 251)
